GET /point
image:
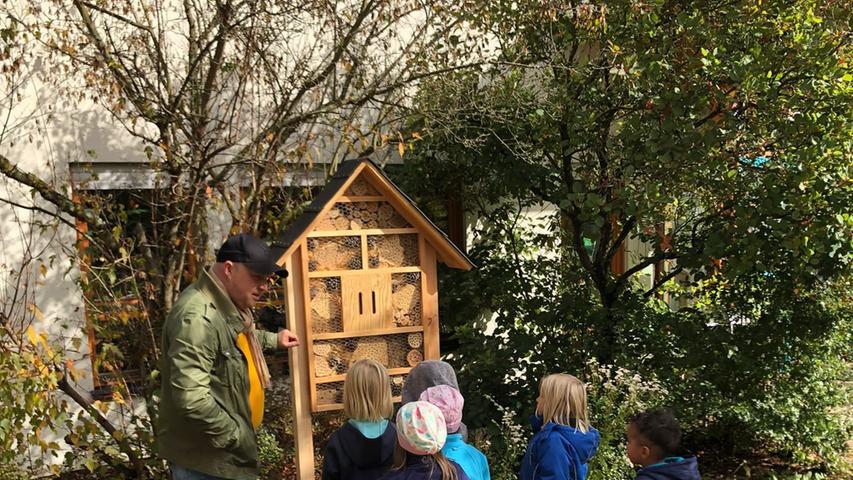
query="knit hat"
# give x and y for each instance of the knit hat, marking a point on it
(449, 401)
(428, 373)
(420, 428)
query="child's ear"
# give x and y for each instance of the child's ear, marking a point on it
(645, 451)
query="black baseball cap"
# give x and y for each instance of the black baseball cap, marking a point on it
(252, 252)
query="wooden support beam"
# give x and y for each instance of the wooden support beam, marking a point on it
(429, 307)
(300, 384)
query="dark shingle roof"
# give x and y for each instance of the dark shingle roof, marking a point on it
(293, 232)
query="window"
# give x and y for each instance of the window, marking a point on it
(117, 285)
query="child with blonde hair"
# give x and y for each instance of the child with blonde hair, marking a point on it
(563, 440)
(421, 434)
(363, 448)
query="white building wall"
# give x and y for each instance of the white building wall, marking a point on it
(39, 270)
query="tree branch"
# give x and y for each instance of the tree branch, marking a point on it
(620, 282)
(662, 281)
(63, 203)
(87, 404)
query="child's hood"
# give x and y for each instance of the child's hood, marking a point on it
(687, 469)
(583, 444)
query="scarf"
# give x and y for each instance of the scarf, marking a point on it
(252, 339)
(255, 346)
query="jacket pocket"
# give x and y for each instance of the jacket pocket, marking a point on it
(230, 367)
(245, 451)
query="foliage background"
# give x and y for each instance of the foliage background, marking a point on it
(719, 133)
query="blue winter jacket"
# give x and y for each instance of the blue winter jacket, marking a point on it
(472, 461)
(558, 452)
(685, 469)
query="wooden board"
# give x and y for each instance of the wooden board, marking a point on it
(429, 297)
(366, 301)
(300, 381)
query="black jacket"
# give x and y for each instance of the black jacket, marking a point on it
(422, 468)
(352, 456)
(687, 469)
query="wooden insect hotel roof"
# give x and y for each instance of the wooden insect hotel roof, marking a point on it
(374, 178)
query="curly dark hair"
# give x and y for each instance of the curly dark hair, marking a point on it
(660, 428)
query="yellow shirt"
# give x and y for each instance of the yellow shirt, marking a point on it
(256, 391)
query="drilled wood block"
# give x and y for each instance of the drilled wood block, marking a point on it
(414, 357)
(373, 348)
(416, 340)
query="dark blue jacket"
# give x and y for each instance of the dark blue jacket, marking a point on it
(686, 469)
(352, 456)
(421, 468)
(558, 452)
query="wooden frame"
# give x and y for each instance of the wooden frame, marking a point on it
(355, 287)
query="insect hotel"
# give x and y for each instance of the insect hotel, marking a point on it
(362, 261)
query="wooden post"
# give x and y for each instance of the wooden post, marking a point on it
(429, 307)
(299, 382)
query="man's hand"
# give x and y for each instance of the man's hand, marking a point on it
(286, 339)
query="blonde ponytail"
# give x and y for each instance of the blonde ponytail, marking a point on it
(448, 471)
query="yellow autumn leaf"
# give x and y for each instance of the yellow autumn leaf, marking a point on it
(103, 407)
(43, 270)
(32, 335)
(36, 311)
(47, 349)
(401, 148)
(118, 398)
(69, 367)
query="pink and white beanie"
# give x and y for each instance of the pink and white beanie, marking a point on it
(421, 429)
(449, 401)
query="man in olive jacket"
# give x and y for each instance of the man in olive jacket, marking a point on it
(213, 370)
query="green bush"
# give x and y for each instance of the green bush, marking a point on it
(756, 363)
(270, 453)
(615, 394)
(503, 443)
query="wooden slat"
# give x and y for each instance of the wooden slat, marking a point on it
(363, 231)
(309, 341)
(367, 333)
(360, 198)
(371, 271)
(339, 406)
(364, 254)
(429, 300)
(341, 378)
(300, 381)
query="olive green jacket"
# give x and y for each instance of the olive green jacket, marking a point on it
(204, 423)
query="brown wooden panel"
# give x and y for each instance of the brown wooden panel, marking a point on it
(429, 291)
(302, 257)
(366, 301)
(300, 381)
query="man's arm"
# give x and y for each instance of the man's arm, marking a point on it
(271, 341)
